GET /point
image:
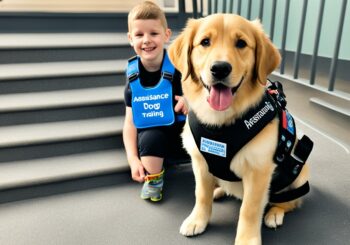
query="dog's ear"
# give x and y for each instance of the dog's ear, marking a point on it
(180, 49)
(267, 56)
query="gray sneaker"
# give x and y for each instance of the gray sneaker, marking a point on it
(153, 186)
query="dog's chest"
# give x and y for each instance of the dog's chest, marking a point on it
(219, 145)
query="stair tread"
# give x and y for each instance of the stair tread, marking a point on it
(60, 98)
(59, 131)
(38, 171)
(61, 40)
(60, 69)
(334, 104)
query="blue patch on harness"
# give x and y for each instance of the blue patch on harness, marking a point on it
(290, 123)
(213, 147)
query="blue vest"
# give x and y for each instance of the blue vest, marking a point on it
(152, 107)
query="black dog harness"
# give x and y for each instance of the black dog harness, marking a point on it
(219, 145)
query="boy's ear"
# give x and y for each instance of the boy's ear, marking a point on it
(168, 34)
(130, 39)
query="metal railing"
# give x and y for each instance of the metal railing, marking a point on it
(263, 10)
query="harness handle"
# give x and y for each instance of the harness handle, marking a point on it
(290, 194)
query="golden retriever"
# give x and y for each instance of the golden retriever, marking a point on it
(247, 57)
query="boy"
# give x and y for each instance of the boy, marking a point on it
(153, 100)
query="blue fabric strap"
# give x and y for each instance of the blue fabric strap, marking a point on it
(168, 69)
(132, 71)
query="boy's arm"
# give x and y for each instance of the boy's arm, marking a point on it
(181, 105)
(130, 143)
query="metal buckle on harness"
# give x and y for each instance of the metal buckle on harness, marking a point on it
(135, 57)
(167, 75)
(133, 76)
(276, 91)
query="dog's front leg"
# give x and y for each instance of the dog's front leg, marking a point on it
(255, 197)
(197, 221)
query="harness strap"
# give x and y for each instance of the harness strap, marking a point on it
(290, 194)
(303, 148)
(132, 71)
(289, 163)
(285, 174)
(167, 70)
(275, 89)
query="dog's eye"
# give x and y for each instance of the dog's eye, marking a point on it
(205, 42)
(241, 43)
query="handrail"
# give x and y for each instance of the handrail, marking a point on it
(266, 12)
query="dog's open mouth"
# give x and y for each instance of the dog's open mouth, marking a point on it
(220, 96)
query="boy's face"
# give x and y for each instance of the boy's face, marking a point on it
(148, 37)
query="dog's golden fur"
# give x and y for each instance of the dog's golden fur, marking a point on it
(242, 44)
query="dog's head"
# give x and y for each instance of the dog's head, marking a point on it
(224, 59)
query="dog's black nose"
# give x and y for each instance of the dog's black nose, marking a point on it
(220, 69)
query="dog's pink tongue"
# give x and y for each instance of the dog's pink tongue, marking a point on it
(220, 97)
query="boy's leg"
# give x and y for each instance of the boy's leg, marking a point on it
(152, 164)
(151, 147)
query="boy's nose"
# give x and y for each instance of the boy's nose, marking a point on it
(146, 39)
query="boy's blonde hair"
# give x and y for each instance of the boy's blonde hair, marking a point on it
(145, 11)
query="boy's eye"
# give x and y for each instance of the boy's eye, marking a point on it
(205, 42)
(154, 33)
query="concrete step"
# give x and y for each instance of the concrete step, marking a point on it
(64, 54)
(61, 69)
(74, 22)
(60, 148)
(60, 98)
(335, 104)
(61, 83)
(43, 133)
(312, 114)
(55, 22)
(22, 41)
(54, 47)
(46, 170)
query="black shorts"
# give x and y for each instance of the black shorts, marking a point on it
(164, 142)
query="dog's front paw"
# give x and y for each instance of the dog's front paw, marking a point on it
(192, 226)
(274, 217)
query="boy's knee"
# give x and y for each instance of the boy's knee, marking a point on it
(152, 142)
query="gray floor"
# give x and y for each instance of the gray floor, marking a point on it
(108, 210)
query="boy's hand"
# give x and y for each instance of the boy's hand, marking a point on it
(137, 170)
(180, 105)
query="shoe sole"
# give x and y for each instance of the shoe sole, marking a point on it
(153, 199)
(156, 199)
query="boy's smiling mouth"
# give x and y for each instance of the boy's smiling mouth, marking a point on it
(149, 49)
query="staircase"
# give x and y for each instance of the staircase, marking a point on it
(61, 96)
